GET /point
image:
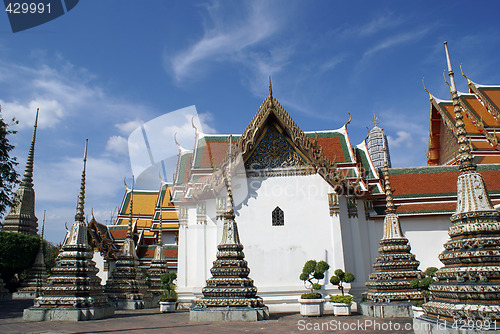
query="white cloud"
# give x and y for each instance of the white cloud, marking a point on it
(127, 127)
(403, 138)
(51, 112)
(117, 144)
(227, 37)
(396, 40)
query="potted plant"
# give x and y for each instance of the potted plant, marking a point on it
(168, 299)
(423, 286)
(341, 303)
(311, 303)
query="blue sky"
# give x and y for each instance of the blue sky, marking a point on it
(100, 70)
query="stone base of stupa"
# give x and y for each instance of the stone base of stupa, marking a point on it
(209, 314)
(68, 314)
(386, 310)
(426, 325)
(131, 304)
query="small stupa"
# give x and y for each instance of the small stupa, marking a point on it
(73, 291)
(126, 288)
(468, 288)
(389, 293)
(158, 265)
(37, 276)
(230, 294)
(21, 217)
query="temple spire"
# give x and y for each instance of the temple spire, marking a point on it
(79, 217)
(465, 158)
(28, 170)
(390, 208)
(129, 229)
(160, 232)
(270, 96)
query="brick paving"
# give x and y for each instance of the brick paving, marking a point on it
(152, 321)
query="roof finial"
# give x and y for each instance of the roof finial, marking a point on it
(349, 121)
(390, 208)
(270, 96)
(375, 120)
(79, 217)
(367, 134)
(465, 158)
(270, 89)
(28, 170)
(466, 77)
(430, 95)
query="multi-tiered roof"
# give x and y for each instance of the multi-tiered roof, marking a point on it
(468, 286)
(126, 286)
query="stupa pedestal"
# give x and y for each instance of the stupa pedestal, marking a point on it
(466, 297)
(230, 294)
(125, 288)
(389, 292)
(37, 277)
(73, 292)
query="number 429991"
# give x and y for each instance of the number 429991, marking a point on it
(24, 7)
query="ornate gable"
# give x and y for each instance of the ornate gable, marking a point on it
(274, 151)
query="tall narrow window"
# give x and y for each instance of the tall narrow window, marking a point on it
(278, 217)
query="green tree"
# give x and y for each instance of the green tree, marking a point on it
(313, 270)
(8, 175)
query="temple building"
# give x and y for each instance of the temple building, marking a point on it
(285, 170)
(148, 205)
(21, 217)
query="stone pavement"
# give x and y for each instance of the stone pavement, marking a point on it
(152, 321)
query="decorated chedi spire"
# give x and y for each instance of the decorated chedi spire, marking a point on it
(126, 287)
(468, 287)
(378, 147)
(37, 276)
(229, 287)
(21, 217)
(73, 291)
(395, 266)
(158, 265)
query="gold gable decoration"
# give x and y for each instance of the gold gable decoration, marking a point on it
(273, 151)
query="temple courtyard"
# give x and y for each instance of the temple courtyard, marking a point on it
(152, 321)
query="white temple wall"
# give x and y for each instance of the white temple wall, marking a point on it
(426, 235)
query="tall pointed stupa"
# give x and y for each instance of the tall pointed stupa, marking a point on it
(126, 288)
(37, 277)
(73, 290)
(158, 265)
(394, 267)
(468, 286)
(21, 217)
(230, 294)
